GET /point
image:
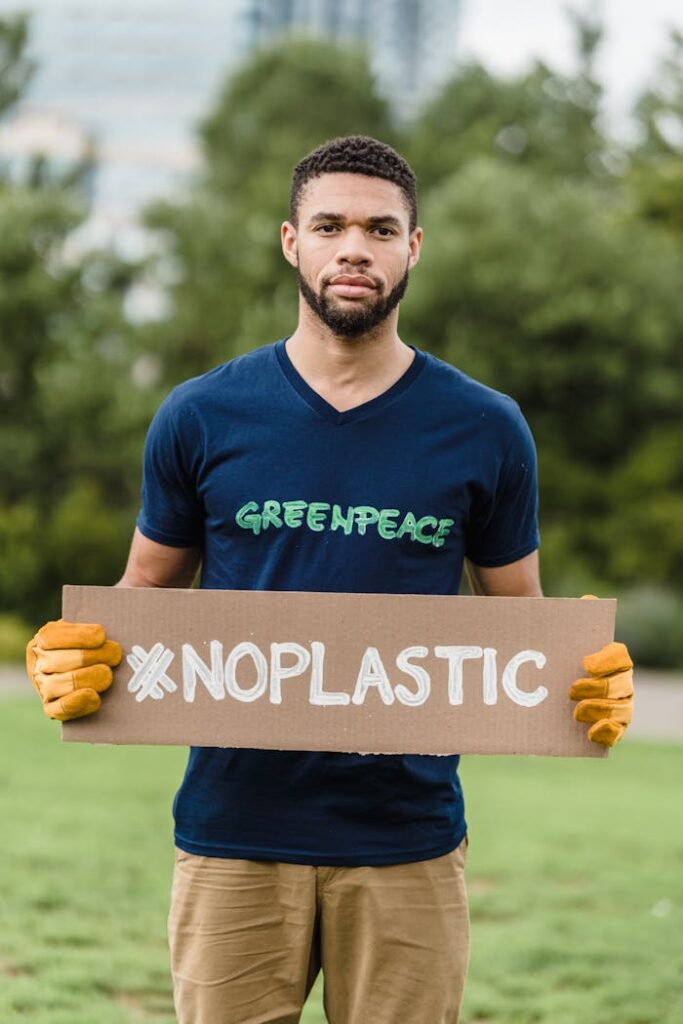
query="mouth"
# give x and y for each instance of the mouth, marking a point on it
(351, 287)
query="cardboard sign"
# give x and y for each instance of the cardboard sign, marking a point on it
(371, 673)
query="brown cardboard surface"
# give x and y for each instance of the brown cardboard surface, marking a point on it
(204, 668)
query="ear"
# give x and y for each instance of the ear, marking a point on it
(414, 247)
(288, 237)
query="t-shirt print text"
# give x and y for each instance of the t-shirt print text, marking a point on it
(390, 523)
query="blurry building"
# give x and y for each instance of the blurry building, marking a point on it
(411, 43)
(133, 76)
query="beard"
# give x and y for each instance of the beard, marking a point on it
(359, 318)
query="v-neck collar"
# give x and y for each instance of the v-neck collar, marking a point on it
(328, 411)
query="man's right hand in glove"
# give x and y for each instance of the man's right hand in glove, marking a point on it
(70, 664)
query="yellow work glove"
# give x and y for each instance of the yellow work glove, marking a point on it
(69, 663)
(606, 696)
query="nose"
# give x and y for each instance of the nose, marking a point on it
(354, 248)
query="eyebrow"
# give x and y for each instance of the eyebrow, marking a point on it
(387, 218)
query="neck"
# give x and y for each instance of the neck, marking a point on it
(328, 360)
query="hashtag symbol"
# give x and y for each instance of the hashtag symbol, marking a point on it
(149, 677)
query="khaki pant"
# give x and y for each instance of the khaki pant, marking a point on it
(248, 939)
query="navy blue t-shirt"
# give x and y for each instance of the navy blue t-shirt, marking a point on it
(283, 492)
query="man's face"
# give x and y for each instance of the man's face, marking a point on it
(352, 250)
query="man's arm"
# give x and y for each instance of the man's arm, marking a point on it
(517, 579)
(158, 565)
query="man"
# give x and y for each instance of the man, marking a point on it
(336, 459)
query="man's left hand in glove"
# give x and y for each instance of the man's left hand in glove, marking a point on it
(605, 695)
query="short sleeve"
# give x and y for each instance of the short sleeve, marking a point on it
(171, 511)
(503, 524)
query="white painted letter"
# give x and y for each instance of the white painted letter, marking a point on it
(456, 656)
(419, 674)
(490, 676)
(317, 695)
(278, 672)
(231, 684)
(372, 673)
(527, 700)
(194, 666)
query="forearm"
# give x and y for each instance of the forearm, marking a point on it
(158, 565)
(518, 579)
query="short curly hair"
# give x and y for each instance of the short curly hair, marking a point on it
(355, 154)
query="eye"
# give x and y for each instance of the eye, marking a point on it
(323, 228)
(389, 231)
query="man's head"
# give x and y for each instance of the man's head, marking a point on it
(352, 233)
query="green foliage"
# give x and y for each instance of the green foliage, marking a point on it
(15, 68)
(647, 511)
(540, 119)
(659, 111)
(656, 176)
(32, 226)
(283, 102)
(70, 422)
(83, 540)
(14, 635)
(658, 190)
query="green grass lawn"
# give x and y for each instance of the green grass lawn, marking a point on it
(575, 877)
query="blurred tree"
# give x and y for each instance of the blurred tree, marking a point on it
(656, 177)
(539, 118)
(15, 68)
(647, 510)
(284, 101)
(659, 111)
(69, 418)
